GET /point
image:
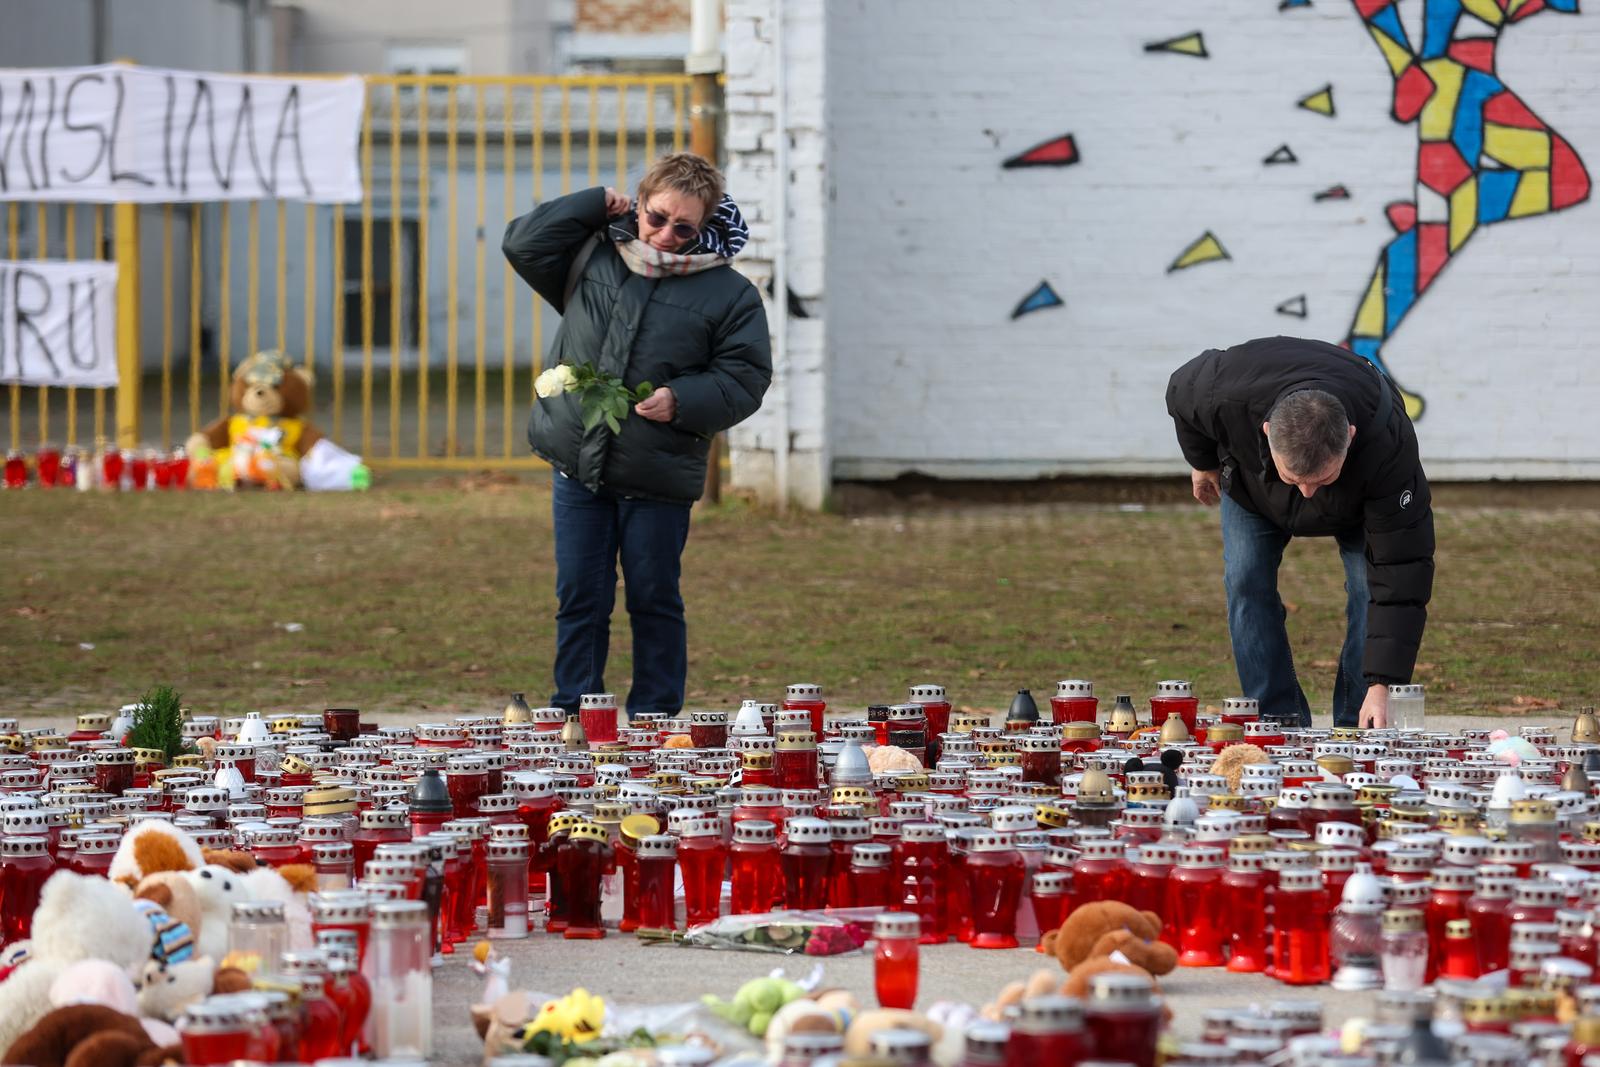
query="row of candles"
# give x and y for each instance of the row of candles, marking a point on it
(970, 848)
(127, 469)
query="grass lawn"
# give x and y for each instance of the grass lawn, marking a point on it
(435, 597)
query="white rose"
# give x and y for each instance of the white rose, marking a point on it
(566, 376)
(549, 384)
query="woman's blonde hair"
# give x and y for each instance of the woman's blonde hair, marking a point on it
(687, 173)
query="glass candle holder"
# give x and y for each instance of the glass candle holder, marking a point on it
(220, 1030)
(25, 865)
(869, 880)
(895, 959)
(755, 871)
(1488, 909)
(1300, 928)
(401, 1022)
(1243, 887)
(702, 859)
(804, 696)
(1123, 1019)
(658, 854)
(920, 871)
(598, 713)
(1100, 872)
(795, 761)
(805, 859)
(1048, 1030)
(507, 889)
(1175, 697)
(258, 936)
(1198, 906)
(1074, 701)
(1404, 950)
(995, 872)
(1049, 892)
(581, 864)
(936, 708)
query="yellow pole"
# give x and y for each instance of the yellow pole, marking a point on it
(125, 242)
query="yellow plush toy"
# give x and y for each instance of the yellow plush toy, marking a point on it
(578, 1017)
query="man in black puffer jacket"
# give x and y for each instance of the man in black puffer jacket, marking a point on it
(652, 300)
(1300, 438)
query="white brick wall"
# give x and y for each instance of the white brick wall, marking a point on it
(799, 388)
(929, 243)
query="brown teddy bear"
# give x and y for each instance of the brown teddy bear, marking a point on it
(267, 435)
(1103, 927)
(89, 1035)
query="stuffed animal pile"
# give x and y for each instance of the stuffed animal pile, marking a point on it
(112, 963)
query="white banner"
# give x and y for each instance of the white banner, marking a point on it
(136, 133)
(58, 322)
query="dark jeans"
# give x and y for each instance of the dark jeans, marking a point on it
(594, 530)
(1252, 549)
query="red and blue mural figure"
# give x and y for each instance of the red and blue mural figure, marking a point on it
(1483, 156)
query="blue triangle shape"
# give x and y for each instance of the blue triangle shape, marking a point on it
(1043, 296)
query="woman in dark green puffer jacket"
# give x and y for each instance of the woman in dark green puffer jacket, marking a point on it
(655, 300)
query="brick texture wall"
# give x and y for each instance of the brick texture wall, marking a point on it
(631, 16)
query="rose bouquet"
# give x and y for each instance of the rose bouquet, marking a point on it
(601, 396)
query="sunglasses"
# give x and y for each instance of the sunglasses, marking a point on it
(681, 230)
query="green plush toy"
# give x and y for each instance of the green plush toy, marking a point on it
(756, 1002)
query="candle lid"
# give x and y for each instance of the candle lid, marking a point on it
(803, 691)
(258, 911)
(805, 830)
(754, 832)
(508, 851)
(927, 693)
(870, 854)
(1074, 687)
(919, 832)
(1121, 989)
(1538, 894)
(658, 846)
(897, 924)
(1402, 920)
(398, 913)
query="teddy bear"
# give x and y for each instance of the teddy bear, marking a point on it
(267, 441)
(858, 1037)
(1107, 928)
(105, 984)
(1231, 762)
(217, 889)
(89, 1035)
(78, 918)
(150, 847)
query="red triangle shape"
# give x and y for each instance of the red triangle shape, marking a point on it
(1504, 108)
(1056, 152)
(1569, 181)
(1433, 251)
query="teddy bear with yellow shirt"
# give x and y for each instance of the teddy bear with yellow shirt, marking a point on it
(267, 442)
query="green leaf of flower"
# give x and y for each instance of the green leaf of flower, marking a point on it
(644, 390)
(611, 421)
(592, 414)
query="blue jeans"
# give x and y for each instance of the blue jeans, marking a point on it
(1252, 549)
(594, 530)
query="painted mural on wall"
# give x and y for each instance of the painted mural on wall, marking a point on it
(1483, 156)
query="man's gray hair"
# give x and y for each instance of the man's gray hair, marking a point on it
(1308, 429)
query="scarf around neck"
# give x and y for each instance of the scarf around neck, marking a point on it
(723, 237)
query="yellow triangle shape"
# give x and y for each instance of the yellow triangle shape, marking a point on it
(1320, 101)
(1204, 250)
(1190, 44)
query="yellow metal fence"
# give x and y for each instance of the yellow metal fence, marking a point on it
(422, 343)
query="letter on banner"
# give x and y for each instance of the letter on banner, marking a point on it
(125, 133)
(58, 322)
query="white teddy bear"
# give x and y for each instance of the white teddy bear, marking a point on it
(78, 918)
